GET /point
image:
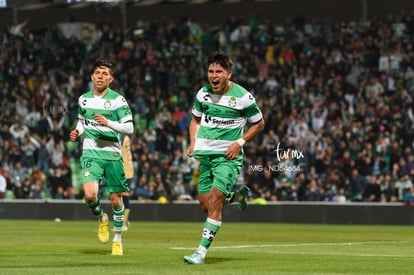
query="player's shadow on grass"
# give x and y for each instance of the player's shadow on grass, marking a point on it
(94, 251)
(215, 260)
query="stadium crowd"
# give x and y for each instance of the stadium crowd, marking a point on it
(337, 99)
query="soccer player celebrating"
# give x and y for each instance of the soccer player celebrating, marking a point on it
(103, 115)
(220, 112)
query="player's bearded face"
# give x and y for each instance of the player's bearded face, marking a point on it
(101, 78)
(218, 78)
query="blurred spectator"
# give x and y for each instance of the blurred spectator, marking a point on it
(356, 186)
(340, 196)
(28, 149)
(59, 183)
(43, 154)
(18, 131)
(37, 190)
(328, 192)
(372, 191)
(312, 191)
(403, 184)
(150, 137)
(37, 183)
(318, 117)
(409, 196)
(389, 190)
(32, 119)
(143, 189)
(57, 156)
(374, 89)
(3, 185)
(17, 175)
(17, 28)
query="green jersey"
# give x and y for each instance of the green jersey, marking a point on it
(102, 142)
(223, 118)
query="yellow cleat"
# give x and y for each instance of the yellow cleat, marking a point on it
(117, 249)
(103, 232)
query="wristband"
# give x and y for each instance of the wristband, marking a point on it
(241, 142)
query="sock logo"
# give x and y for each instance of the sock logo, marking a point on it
(208, 234)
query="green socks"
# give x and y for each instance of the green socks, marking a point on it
(95, 207)
(118, 217)
(211, 227)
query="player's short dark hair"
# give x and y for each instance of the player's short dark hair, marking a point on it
(222, 59)
(103, 63)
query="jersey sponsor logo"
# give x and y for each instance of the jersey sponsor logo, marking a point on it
(84, 102)
(222, 121)
(209, 119)
(91, 123)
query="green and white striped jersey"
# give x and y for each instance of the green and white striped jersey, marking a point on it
(223, 118)
(100, 141)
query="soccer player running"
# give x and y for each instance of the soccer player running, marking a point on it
(103, 115)
(220, 112)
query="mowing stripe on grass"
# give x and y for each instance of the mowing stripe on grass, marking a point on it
(293, 245)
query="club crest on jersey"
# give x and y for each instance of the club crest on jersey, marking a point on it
(87, 173)
(232, 102)
(107, 104)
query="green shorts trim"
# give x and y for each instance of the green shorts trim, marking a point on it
(218, 172)
(93, 170)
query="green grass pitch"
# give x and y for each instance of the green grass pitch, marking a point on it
(72, 247)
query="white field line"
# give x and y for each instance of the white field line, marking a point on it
(342, 254)
(294, 245)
